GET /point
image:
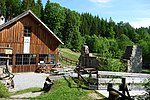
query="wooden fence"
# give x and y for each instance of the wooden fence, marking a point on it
(69, 61)
(105, 77)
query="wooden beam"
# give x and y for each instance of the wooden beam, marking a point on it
(6, 48)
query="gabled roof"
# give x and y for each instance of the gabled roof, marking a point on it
(32, 14)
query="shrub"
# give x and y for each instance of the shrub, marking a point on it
(147, 85)
(110, 64)
(3, 91)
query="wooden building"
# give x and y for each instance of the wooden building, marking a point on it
(31, 41)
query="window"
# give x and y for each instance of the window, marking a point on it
(23, 59)
(32, 59)
(43, 57)
(26, 59)
(47, 58)
(19, 59)
(27, 31)
(52, 59)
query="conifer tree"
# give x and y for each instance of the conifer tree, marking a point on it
(12, 8)
(38, 8)
(2, 7)
(27, 4)
(54, 17)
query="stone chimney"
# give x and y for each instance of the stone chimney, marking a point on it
(133, 58)
(2, 20)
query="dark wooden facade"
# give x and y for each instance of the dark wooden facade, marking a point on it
(43, 42)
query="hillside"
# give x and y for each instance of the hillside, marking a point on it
(68, 54)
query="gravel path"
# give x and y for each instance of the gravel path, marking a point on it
(30, 79)
(27, 80)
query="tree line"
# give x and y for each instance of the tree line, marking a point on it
(103, 36)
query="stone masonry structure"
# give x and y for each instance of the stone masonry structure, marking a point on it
(133, 58)
(86, 59)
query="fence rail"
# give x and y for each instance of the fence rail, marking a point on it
(69, 61)
(134, 79)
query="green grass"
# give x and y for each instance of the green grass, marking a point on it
(65, 89)
(34, 89)
(146, 71)
(69, 54)
(3, 91)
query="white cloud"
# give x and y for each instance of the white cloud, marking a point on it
(100, 1)
(140, 22)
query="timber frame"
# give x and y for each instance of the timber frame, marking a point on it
(41, 45)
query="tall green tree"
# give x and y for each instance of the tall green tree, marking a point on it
(119, 29)
(3, 7)
(54, 16)
(123, 42)
(71, 34)
(94, 26)
(27, 4)
(143, 34)
(12, 8)
(110, 33)
(93, 43)
(103, 27)
(145, 48)
(86, 24)
(129, 31)
(144, 42)
(38, 8)
(114, 48)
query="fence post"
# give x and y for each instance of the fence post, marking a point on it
(122, 87)
(97, 79)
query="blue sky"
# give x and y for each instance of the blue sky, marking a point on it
(136, 12)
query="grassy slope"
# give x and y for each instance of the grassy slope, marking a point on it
(69, 54)
(62, 91)
(66, 90)
(75, 56)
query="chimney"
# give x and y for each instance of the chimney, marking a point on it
(2, 20)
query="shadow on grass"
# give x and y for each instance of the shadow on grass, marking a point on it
(77, 81)
(41, 90)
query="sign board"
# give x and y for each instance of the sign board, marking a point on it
(26, 45)
(8, 51)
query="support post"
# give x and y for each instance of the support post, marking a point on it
(97, 79)
(123, 85)
(7, 62)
